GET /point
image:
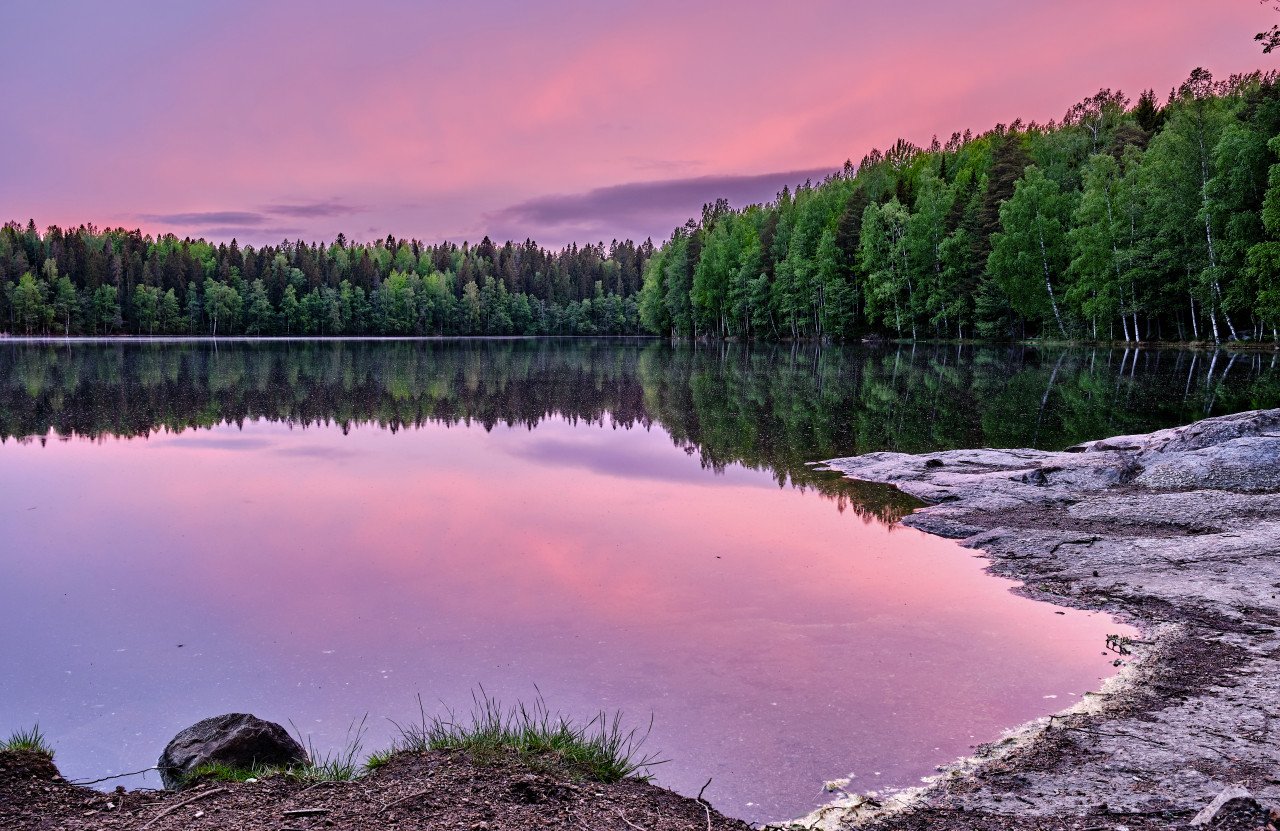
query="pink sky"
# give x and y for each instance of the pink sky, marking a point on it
(561, 120)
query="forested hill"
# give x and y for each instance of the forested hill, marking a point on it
(1124, 221)
(106, 282)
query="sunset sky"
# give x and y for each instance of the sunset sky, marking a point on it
(559, 121)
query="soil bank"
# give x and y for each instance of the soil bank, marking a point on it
(438, 790)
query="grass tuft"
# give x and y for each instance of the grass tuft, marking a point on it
(600, 748)
(379, 758)
(31, 740)
(218, 772)
(334, 765)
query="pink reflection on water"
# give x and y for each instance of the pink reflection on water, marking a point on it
(314, 576)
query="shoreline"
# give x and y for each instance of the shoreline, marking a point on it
(1176, 532)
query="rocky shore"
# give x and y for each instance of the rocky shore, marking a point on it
(1176, 532)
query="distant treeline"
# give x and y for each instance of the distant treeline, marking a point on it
(1136, 223)
(88, 281)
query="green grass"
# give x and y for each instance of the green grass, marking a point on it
(379, 758)
(31, 740)
(601, 748)
(336, 765)
(226, 773)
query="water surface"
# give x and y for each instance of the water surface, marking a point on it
(315, 531)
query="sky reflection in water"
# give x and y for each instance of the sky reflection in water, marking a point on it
(309, 575)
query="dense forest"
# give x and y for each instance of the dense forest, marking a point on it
(1124, 221)
(88, 281)
(769, 407)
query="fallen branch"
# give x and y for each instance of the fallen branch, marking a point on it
(116, 776)
(305, 812)
(312, 787)
(182, 804)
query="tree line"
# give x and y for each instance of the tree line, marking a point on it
(86, 281)
(1124, 221)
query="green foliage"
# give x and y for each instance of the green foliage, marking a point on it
(32, 740)
(88, 281)
(1029, 253)
(600, 748)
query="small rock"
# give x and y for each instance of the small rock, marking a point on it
(1232, 799)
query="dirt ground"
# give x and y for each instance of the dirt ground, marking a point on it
(442, 791)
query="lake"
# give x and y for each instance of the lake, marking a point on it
(313, 531)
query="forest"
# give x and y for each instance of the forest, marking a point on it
(1124, 221)
(88, 281)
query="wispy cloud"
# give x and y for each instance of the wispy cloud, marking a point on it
(256, 233)
(312, 210)
(207, 217)
(267, 223)
(644, 204)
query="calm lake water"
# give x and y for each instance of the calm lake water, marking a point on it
(315, 531)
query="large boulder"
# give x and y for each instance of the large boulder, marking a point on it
(237, 740)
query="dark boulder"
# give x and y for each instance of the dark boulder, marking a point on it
(236, 740)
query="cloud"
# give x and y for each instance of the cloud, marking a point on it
(251, 233)
(259, 226)
(645, 204)
(207, 217)
(312, 210)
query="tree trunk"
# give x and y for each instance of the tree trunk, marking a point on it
(1044, 260)
(1208, 237)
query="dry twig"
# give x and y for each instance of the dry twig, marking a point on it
(182, 804)
(413, 795)
(622, 815)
